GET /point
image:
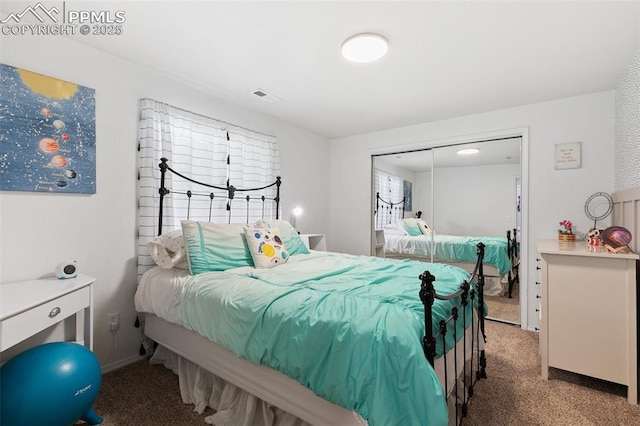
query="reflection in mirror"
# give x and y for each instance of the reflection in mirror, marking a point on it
(402, 204)
(462, 199)
(476, 197)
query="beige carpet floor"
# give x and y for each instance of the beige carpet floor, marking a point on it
(504, 308)
(513, 393)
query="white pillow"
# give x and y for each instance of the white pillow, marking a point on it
(168, 250)
(266, 246)
(393, 229)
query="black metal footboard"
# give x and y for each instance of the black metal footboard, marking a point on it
(477, 363)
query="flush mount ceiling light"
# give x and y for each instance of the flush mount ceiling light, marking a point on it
(468, 151)
(365, 47)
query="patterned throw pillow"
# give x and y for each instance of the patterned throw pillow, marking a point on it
(266, 246)
(424, 227)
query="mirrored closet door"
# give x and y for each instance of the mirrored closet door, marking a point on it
(402, 186)
(475, 198)
(462, 194)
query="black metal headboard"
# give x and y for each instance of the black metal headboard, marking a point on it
(388, 211)
(227, 193)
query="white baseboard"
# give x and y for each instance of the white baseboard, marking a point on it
(121, 363)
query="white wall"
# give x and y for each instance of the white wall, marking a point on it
(554, 195)
(462, 209)
(99, 231)
(422, 195)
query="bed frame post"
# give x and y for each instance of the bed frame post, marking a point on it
(163, 191)
(277, 199)
(512, 251)
(378, 222)
(483, 360)
(427, 296)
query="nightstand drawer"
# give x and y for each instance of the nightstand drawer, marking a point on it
(34, 320)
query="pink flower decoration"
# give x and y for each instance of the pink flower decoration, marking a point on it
(568, 227)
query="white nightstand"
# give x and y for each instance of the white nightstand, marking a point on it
(378, 243)
(314, 241)
(29, 307)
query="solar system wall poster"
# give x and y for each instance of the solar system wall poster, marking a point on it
(47, 134)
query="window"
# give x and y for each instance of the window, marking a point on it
(207, 150)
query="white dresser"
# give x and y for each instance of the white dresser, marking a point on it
(28, 307)
(588, 317)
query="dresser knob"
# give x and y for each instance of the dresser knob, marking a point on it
(55, 311)
(538, 268)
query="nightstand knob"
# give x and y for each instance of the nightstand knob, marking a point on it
(55, 311)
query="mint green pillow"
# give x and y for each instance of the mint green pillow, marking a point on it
(411, 226)
(290, 236)
(215, 246)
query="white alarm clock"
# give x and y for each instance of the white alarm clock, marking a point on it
(68, 269)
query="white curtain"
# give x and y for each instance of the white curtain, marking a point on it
(206, 150)
(391, 189)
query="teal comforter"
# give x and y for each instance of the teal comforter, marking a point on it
(348, 327)
(458, 248)
(451, 248)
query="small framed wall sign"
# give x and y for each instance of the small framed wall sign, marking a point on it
(568, 155)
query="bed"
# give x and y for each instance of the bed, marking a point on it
(412, 238)
(314, 337)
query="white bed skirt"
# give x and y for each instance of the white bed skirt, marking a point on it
(266, 384)
(206, 372)
(234, 406)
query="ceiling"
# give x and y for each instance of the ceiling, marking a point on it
(492, 152)
(445, 59)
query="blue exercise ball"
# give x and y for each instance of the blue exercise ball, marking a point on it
(52, 384)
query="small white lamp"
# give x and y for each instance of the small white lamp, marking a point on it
(297, 211)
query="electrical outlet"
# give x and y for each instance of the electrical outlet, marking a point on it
(113, 321)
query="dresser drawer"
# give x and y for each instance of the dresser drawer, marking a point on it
(34, 320)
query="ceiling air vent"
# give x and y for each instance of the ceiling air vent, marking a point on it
(264, 96)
